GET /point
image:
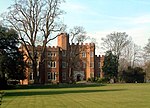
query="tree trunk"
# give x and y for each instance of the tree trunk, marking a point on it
(35, 72)
(42, 63)
(3, 82)
(70, 75)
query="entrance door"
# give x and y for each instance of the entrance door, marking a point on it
(78, 77)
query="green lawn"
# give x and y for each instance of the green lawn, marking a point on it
(95, 96)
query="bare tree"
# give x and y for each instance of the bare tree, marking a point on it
(147, 47)
(147, 60)
(77, 37)
(35, 21)
(116, 42)
(147, 71)
(131, 55)
(147, 51)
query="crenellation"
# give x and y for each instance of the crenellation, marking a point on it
(52, 47)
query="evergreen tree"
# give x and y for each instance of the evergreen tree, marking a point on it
(110, 67)
(12, 65)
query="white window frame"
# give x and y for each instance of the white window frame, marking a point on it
(54, 75)
(52, 64)
(63, 64)
(51, 76)
(91, 54)
(83, 54)
(84, 64)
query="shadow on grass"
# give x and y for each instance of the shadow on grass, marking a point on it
(55, 92)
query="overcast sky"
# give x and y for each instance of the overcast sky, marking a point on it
(102, 17)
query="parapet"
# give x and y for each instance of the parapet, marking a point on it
(65, 34)
(52, 48)
(102, 57)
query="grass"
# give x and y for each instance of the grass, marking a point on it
(79, 96)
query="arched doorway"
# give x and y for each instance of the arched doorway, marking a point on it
(78, 77)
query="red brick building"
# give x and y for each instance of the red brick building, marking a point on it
(64, 62)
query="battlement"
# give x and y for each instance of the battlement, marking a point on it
(52, 48)
(64, 34)
(83, 44)
(102, 56)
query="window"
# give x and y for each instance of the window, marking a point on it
(64, 75)
(98, 74)
(64, 53)
(92, 64)
(31, 75)
(52, 64)
(63, 64)
(54, 75)
(51, 75)
(83, 54)
(91, 54)
(84, 65)
(54, 54)
(51, 54)
(98, 64)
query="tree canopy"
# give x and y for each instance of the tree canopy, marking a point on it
(133, 75)
(110, 67)
(37, 22)
(12, 65)
(115, 42)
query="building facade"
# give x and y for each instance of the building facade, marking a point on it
(65, 62)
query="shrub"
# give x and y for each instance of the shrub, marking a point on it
(102, 80)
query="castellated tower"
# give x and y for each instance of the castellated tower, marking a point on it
(63, 44)
(63, 41)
